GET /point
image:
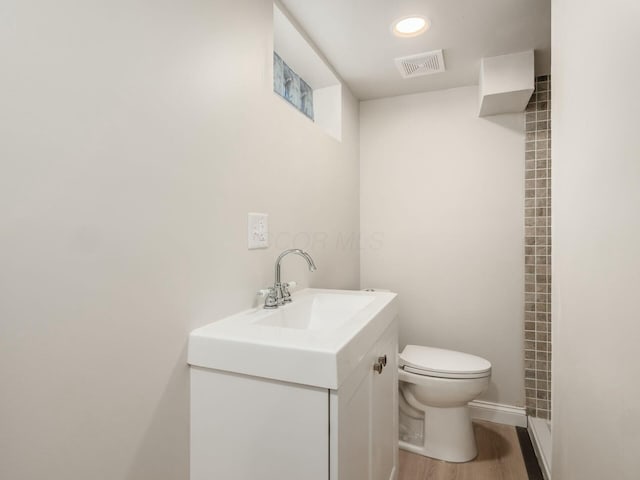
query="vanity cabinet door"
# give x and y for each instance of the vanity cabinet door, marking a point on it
(355, 431)
(384, 413)
(364, 417)
(250, 428)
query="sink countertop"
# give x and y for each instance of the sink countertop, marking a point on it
(319, 357)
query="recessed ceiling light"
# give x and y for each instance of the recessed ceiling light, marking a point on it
(410, 26)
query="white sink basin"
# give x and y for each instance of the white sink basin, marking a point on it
(315, 340)
(320, 311)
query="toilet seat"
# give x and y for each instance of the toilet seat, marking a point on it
(441, 363)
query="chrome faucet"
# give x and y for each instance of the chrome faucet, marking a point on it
(279, 294)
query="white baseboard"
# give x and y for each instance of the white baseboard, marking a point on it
(541, 439)
(498, 413)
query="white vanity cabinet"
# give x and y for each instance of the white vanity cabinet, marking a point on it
(247, 426)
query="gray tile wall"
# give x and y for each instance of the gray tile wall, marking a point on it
(537, 320)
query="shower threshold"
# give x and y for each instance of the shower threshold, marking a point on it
(540, 433)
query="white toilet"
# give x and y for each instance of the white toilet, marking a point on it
(436, 386)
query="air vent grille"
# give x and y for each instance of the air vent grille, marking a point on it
(421, 64)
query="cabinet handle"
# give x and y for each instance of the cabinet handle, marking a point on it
(383, 360)
(378, 366)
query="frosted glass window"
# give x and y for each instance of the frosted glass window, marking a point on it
(291, 87)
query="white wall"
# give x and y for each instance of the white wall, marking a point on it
(442, 195)
(596, 239)
(134, 138)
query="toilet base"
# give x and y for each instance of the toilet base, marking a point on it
(448, 435)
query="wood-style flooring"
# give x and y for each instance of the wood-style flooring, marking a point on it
(499, 458)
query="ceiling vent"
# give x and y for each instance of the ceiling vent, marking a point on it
(420, 64)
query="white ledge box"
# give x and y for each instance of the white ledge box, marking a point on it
(506, 83)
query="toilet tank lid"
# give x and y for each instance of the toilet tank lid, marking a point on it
(439, 360)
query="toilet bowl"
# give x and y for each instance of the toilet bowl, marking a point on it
(437, 385)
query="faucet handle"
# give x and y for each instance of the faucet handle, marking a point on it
(271, 297)
(286, 295)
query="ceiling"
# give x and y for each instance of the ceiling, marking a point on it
(355, 36)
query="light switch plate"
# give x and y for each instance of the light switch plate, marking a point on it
(258, 230)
